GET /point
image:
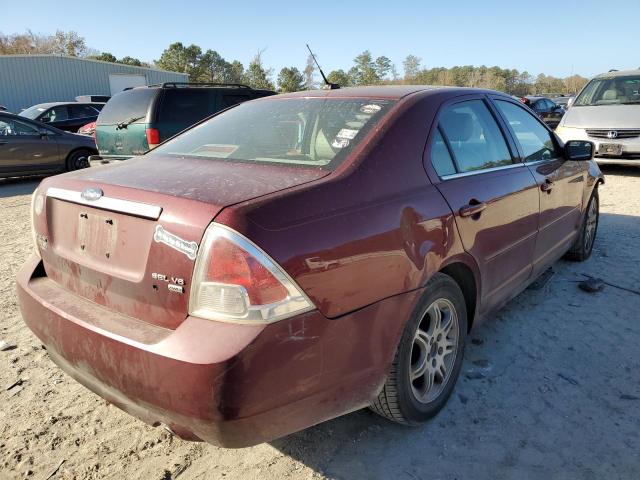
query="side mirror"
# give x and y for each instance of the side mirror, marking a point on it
(570, 102)
(578, 150)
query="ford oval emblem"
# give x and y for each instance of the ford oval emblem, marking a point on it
(91, 194)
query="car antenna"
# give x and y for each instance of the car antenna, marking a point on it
(327, 85)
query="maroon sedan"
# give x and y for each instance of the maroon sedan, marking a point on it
(298, 257)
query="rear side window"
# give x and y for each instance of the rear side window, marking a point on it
(230, 100)
(186, 106)
(534, 139)
(440, 156)
(127, 105)
(11, 127)
(474, 136)
(82, 111)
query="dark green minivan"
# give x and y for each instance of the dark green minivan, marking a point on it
(136, 120)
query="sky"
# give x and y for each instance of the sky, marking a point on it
(557, 38)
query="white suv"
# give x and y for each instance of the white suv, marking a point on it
(607, 112)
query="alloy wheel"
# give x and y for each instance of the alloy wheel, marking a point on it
(591, 224)
(433, 353)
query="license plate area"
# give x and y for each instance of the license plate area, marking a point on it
(97, 235)
(107, 242)
(610, 149)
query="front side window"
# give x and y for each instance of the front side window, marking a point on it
(610, 91)
(474, 136)
(317, 132)
(534, 139)
(55, 114)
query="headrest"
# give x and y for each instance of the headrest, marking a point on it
(610, 95)
(457, 125)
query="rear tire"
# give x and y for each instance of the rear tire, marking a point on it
(583, 246)
(77, 160)
(429, 357)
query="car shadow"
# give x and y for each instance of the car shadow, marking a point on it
(621, 170)
(11, 187)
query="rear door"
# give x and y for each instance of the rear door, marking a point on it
(24, 149)
(80, 115)
(492, 194)
(560, 182)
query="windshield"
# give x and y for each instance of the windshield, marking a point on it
(32, 112)
(317, 132)
(610, 91)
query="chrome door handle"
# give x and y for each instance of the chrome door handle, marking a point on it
(473, 208)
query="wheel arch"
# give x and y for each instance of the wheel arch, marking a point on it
(92, 151)
(464, 276)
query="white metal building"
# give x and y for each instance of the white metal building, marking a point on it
(26, 80)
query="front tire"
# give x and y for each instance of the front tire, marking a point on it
(77, 160)
(429, 357)
(583, 246)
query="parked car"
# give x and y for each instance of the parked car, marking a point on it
(607, 112)
(550, 112)
(88, 129)
(68, 116)
(93, 98)
(302, 256)
(139, 119)
(564, 101)
(28, 148)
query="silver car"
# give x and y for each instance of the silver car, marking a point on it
(607, 112)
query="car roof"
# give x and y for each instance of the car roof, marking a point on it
(619, 73)
(55, 104)
(394, 92)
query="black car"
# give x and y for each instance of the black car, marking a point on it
(550, 112)
(136, 120)
(69, 116)
(28, 147)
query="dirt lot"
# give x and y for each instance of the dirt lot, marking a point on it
(550, 390)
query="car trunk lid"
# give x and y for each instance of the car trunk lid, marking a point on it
(132, 248)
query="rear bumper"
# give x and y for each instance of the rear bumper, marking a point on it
(230, 385)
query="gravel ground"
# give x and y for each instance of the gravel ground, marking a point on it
(550, 389)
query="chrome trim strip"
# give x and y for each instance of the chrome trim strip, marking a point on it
(119, 205)
(479, 172)
(539, 162)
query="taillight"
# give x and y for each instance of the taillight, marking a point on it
(153, 137)
(236, 281)
(37, 206)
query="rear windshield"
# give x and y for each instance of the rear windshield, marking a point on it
(127, 105)
(316, 132)
(610, 91)
(186, 106)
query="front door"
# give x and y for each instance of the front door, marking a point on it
(560, 183)
(493, 196)
(24, 149)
